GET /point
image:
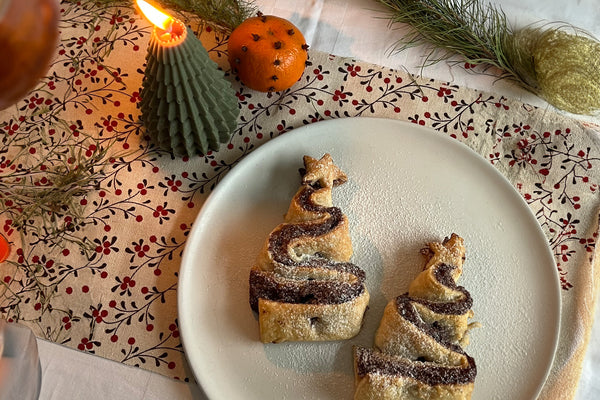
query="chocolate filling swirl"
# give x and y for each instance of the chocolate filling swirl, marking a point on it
(373, 361)
(273, 287)
(443, 274)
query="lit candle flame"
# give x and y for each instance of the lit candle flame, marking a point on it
(154, 15)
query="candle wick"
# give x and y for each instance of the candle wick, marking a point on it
(170, 30)
(169, 25)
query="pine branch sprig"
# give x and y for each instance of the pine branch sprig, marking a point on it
(557, 61)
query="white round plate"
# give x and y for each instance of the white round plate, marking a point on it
(407, 186)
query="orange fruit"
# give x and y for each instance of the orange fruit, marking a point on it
(267, 53)
(4, 248)
(28, 39)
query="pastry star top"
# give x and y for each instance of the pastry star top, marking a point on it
(451, 251)
(323, 171)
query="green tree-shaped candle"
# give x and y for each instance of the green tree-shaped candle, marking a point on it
(188, 107)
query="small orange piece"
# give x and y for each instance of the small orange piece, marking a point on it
(268, 53)
(4, 248)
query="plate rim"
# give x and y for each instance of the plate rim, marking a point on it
(257, 153)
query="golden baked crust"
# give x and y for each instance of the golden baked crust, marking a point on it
(418, 350)
(396, 378)
(302, 285)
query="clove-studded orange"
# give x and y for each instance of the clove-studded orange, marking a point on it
(268, 53)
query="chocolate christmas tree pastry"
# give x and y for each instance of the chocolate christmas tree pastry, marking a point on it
(418, 351)
(303, 286)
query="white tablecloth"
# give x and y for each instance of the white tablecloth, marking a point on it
(346, 28)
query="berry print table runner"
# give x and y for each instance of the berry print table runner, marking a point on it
(99, 273)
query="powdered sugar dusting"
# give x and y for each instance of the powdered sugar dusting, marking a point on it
(403, 190)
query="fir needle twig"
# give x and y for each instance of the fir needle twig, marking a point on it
(555, 61)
